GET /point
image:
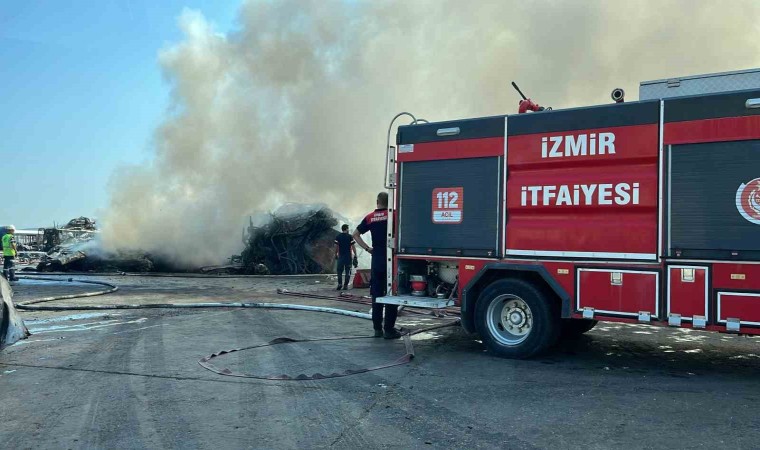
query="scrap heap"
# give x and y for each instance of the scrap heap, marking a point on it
(75, 247)
(296, 239)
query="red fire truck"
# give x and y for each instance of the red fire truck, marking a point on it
(538, 225)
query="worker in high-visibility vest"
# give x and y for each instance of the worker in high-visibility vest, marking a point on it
(9, 253)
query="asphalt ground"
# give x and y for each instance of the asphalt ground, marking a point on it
(131, 379)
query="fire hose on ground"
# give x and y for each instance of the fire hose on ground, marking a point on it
(205, 362)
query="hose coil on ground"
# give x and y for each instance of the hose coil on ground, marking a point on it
(205, 362)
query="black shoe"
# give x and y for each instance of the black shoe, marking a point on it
(345, 287)
(338, 288)
(392, 334)
(378, 333)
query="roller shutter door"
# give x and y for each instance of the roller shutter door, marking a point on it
(422, 228)
(711, 199)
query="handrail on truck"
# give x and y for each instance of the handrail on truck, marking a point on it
(388, 144)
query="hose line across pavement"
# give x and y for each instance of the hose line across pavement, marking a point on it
(205, 362)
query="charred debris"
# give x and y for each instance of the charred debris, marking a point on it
(295, 239)
(75, 247)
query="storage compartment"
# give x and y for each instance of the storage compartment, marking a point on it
(739, 305)
(687, 292)
(739, 277)
(618, 292)
(450, 207)
(431, 279)
(714, 198)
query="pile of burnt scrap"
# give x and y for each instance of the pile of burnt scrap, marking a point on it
(90, 259)
(67, 246)
(75, 247)
(76, 231)
(81, 224)
(295, 239)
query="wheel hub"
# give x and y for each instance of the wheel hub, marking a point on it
(510, 319)
(516, 317)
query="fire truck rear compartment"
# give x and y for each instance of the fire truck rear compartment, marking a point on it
(477, 182)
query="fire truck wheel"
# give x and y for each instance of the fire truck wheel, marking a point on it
(515, 320)
(572, 328)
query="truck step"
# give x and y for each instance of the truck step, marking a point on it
(417, 302)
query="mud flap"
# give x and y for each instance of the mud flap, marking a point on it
(12, 328)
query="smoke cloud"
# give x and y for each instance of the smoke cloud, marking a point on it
(294, 104)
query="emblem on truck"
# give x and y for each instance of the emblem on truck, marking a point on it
(748, 201)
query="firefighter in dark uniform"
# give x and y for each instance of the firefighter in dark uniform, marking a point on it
(344, 250)
(376, 223)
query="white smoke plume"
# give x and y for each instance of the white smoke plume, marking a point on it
(294, 104)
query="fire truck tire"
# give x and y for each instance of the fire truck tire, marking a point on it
(515, 319)
(572, 328)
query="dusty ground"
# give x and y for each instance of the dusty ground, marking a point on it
(130, 379)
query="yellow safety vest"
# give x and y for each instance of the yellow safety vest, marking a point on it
(8, 246)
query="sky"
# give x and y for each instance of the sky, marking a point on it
(82, 93)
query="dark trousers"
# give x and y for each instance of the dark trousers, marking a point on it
(344, 265)
(377, 289)
(391, 312)
(9, 262)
